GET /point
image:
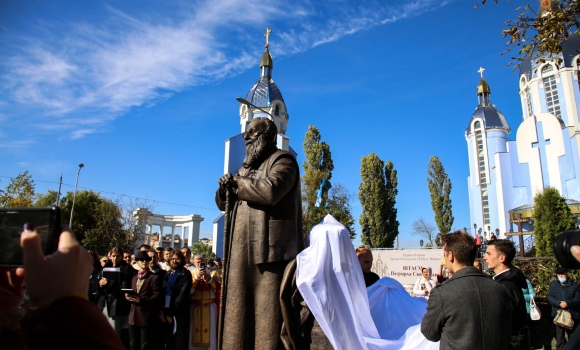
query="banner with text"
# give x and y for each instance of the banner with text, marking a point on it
(405, 265)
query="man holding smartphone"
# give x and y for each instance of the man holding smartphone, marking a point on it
(204, 305)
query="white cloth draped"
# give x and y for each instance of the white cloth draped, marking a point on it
(330, 279)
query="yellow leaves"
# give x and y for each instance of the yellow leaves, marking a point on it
(19, 192)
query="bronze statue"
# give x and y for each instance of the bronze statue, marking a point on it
(263, 236)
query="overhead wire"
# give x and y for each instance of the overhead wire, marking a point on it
(119, 194)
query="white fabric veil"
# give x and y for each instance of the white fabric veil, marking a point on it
(330, 279)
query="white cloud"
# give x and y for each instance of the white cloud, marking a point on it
(80, 76)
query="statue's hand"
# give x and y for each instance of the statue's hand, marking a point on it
(225, 182)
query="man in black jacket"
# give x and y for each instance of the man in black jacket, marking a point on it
(499, 256)
(175, 313)
(111, 297)
(564, 294)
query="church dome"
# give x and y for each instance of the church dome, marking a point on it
(570, 47)
(491, 116)
(265, 90)
(483, 87)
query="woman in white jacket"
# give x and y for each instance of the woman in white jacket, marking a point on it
(424, 284)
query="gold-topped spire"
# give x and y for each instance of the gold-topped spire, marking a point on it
(266, 59)
(482, 87)
(268, 31)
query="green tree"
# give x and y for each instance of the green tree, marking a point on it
(46, 199)
(391, 222)
(318, 167)
(339, 207)
(551, 217)
(201, 248)
(440, 190)
(377, 197)
(547, 29)
(19, 192)
(85, 211)
(108, 230)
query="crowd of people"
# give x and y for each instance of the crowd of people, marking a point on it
(501, 304)
(158, 298)
(168, 299)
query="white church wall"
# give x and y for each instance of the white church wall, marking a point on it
(526, 135)
(552, 130)
(520, 192)
(570, 111)
(573, 184)
(503, 186)
(566, 165)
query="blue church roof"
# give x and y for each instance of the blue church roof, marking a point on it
(492, 118)
(264, 92)
(570, 47)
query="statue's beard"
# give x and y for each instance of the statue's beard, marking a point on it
(256, 152)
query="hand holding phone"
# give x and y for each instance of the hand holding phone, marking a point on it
(65, 275)
(46, 220)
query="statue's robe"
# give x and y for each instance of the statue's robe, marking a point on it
(266, 233)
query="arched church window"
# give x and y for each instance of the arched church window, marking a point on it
(547, 68)
(551, 91)
(277, 110)
(529, 102)
(482, 170)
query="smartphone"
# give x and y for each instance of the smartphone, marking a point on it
(46, 221)
(202, 266)
(129, 291)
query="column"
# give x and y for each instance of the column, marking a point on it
(172, 237)
(182, 236)
(190, 233)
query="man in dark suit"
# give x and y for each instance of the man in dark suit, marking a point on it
(145, 300)
(499, 256)
(564, 294)
(175, 313)
(468, 311)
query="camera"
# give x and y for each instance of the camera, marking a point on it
(46, 221)
(562, 245)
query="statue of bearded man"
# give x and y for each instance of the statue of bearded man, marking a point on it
(265, 235)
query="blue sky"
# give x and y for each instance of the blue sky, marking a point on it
(143, 92)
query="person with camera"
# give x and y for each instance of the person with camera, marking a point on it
(205, 289)
(112, 300)
(564, 294)
(175, 313)
(145, 299)
(59, 314)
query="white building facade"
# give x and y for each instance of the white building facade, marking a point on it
(506, 174)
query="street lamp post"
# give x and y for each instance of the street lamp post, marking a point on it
(421, 243)
(75, 196)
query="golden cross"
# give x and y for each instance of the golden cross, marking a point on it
(268, 31)
(480, 71)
